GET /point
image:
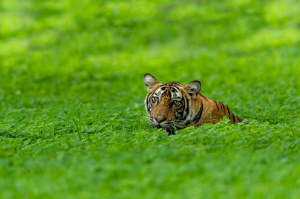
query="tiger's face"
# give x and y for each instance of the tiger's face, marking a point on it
(169, 105)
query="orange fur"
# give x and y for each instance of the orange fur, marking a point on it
(183, 105)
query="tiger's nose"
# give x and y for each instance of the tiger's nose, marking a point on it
(160, 119)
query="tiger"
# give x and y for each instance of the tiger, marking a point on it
(173, 106)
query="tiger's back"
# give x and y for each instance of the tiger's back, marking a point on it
(213, 111)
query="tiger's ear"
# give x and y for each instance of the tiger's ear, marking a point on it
(150, 81)
(193, 88)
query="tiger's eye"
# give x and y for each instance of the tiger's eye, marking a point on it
(155, 99)
(177, 103)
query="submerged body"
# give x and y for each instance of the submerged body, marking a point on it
(173, 106)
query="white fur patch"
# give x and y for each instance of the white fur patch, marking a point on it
(149, 80)
(194, 86)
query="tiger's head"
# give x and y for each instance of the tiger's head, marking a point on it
(170, 105)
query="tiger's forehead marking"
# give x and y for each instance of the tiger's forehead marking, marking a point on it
(169, 90)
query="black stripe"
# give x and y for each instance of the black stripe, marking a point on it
(186, 103)
(177, 87)
(180, 113)
(216, 104)
(203, 96)
(199, 114)
(228, 112)
(233, 118)
(169, 93)
(164, 93)
(223, 106)
(147, 103)
(239, 119)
